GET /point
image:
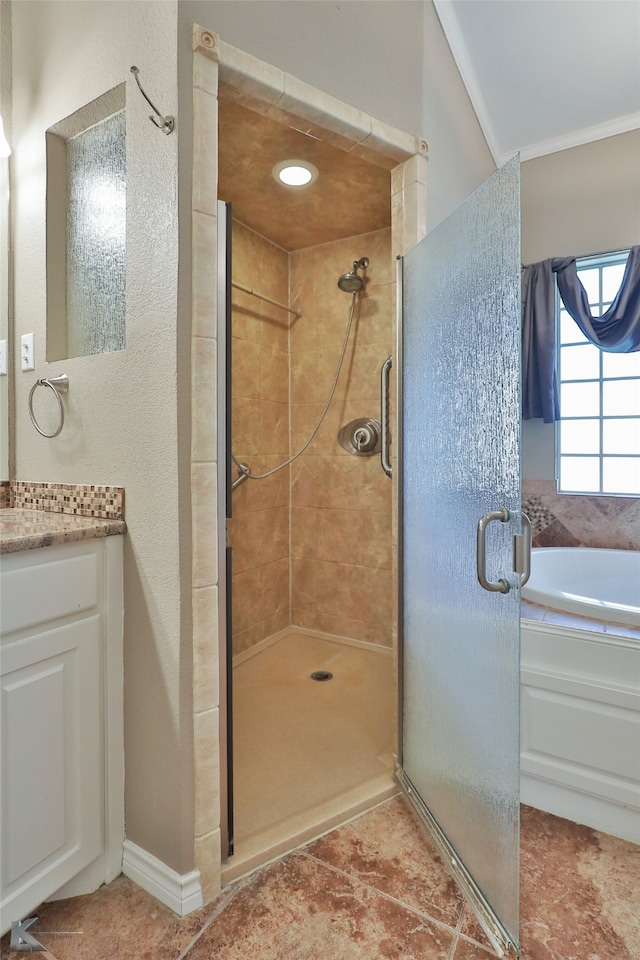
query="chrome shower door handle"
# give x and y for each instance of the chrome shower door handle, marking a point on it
(384, 415)
(499, 586)
(522, 550)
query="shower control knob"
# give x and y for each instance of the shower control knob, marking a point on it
(361, 437)
(365, 439)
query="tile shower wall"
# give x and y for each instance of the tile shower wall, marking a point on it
(341, 505)
(566, 520)
(259, 530)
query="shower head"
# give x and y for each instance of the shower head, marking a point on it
(352, 282)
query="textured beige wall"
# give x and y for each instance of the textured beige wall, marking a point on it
(259, 530)
(574, 203)
(459, 158)
(582, 201)
(5, 113)
(121, 425)
(341, 536)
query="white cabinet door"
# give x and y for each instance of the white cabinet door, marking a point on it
(51, 761)
(61, 723)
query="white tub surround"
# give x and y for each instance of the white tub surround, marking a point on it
(591, 582)
(580, 754)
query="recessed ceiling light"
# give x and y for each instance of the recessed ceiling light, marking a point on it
(295, 173)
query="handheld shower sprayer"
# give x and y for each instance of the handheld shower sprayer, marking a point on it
(352, 282)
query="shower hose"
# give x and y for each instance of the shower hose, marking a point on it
(263, 476)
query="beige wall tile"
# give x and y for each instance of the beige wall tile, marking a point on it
(338, 589)
(274, 374)
(303, 582)
(209, 863)
(304, 377)
(376, 316)
(304, 419)
(304, 532)
(248, 75)
(203, 400)
(246, 639)
(205, 152)
(241, 529)
(302, 332)
(275, 534)
(332, 493)
(380, 633)
(255, 495)
(207, 786)
(333, 116)
(205, 70)
(275, 323)
(275, 587)
(304, 482)
(247, 598)
(243, 640)
(301, 278)
(205, 531)
(203, 291)
(205, 649)
(275, 429)
(377, 247)
(377, 540)
(245, 369)
(340, 534)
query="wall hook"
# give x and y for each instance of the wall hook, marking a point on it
(166, 124)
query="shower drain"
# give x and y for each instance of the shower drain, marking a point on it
(321, 675)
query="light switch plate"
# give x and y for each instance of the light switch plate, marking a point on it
(3, 357)
(28, 352)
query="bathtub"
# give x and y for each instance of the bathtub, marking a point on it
(604, 584)
(580, 686)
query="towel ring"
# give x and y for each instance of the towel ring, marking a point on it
(59, 385)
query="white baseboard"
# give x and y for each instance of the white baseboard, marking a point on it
(598, 813)
(182, 893)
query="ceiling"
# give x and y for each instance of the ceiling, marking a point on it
(545, 75)
(349, 198)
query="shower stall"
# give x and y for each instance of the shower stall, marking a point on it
(315, 541)
(311, 568)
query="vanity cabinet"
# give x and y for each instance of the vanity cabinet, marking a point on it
(61, 762)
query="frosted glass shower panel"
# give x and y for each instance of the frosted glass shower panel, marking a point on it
(96, 228)
(86, 229)
(461, 364)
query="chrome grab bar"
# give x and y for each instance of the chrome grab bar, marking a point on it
(500, 586)
(522, 550)
(384, 415)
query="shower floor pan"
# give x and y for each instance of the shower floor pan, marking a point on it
(308, 755)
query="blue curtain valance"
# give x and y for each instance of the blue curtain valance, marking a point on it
(616, 331)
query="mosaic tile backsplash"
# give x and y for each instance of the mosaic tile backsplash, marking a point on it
(567, 520)
(81, 500)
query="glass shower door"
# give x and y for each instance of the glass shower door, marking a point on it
(460, 461)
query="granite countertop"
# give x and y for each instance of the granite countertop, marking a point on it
(28, 529)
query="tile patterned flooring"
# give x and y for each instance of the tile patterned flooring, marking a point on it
(371, 889)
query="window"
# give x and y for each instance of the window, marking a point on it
(598, 434)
